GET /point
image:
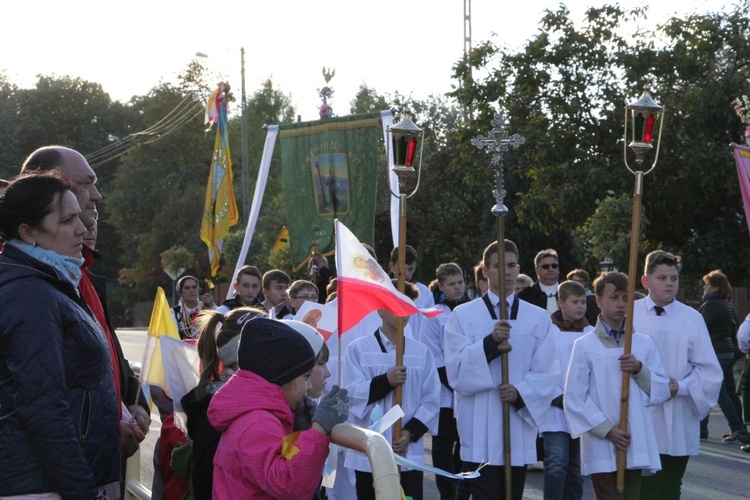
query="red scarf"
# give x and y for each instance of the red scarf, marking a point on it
(88, 292)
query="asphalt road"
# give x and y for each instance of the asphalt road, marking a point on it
(721, 471)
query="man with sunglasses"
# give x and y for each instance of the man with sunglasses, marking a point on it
(543, 293)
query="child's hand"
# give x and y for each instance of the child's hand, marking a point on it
(621, 439)
(674, 386)
(399, 447)
(501, 331)
(629, 363)
(397, 376)
(508, 393)
(333, 409)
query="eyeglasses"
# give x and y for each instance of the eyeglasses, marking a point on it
(312, 298)
(547, 266)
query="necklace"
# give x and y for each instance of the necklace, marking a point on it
(188, 326)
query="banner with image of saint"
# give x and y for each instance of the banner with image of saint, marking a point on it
(330, 172)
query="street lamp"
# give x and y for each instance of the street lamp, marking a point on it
(403, 140)
(644, 114)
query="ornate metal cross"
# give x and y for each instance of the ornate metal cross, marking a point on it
(498, 142)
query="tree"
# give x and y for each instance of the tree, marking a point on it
(564, 91)
(159, 189)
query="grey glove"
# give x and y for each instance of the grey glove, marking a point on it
(333, 409)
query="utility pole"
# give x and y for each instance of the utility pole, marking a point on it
(245, 160)
(467, 50)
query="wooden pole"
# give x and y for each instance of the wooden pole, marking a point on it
(504, 347)
(635, 231)
(401, 266)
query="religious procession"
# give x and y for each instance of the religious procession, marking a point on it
(343, 373)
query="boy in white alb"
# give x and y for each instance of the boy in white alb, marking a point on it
(370, 374)
(446, 446)
(562, 454)
(474, 370)
(695, 376)
(593, 389)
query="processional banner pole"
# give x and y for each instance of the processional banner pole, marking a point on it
(497, 143)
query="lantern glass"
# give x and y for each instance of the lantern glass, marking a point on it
(406, 137)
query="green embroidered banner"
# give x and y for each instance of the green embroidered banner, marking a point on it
(330, 172)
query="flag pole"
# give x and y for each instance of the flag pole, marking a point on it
(645, 112)
(498, 143)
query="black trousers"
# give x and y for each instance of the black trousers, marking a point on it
(490, 485)
(446, 455)
(411, 482)
(667, 483)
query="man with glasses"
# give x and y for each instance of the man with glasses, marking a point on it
(299, 292)
(543, 293)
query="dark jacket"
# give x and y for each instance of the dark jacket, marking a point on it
(721, 320)
(59, 414)
(205, 441)
(534, 295)
(128, 380)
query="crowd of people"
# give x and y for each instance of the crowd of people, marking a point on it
(260, 419)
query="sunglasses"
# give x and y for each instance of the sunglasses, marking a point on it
(547, 266)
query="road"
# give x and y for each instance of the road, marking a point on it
(721, 471)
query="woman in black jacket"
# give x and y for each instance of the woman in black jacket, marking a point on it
(721, 321)
(59, 413)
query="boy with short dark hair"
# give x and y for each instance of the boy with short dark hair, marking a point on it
(562, 454)
(247, 287)
(593, 390)
(275, 284)
(425, 299)
(480, 280)
(474, 368)
(370, 375)
(694, 373)
(299, 292)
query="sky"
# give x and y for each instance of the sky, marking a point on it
(407, 46)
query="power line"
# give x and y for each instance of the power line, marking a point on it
(181, 114)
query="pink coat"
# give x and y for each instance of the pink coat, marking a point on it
(254, 416)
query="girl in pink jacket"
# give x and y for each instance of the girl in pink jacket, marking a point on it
(257, 458)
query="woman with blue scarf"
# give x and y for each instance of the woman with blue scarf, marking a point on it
(59, 413)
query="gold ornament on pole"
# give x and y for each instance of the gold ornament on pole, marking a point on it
(498, 143)
(644, 114)
(404, 140)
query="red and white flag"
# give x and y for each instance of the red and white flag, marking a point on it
(322, 317)
(362, 285)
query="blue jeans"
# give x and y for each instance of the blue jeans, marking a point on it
(562, 467)
(728, 400)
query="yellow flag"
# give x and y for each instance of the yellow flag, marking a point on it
(281, 239)
(220, 209)
(162, 323)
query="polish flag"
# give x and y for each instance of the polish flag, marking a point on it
(363, 286)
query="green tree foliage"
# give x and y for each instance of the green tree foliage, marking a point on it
(159, 191)
(9, 153)
(565, 92)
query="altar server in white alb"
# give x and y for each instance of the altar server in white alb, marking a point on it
(370, 374)
(593, 390)
(474, 371)
(695, 376)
